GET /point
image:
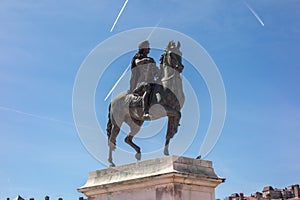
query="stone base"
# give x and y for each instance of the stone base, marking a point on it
(166, 178)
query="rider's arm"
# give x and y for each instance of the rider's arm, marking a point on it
(144, 61)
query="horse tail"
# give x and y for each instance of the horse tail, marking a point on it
(109, 123)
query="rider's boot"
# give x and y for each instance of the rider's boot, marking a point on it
(146, 106)
(147, 115)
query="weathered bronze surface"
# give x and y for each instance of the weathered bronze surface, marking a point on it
(149, 86)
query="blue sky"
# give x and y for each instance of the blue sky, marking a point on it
(44, 43)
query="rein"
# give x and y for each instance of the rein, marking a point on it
(170, 65)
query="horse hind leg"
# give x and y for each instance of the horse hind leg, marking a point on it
(112, 143)
(134, 129)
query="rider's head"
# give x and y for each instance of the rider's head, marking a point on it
(144, 47)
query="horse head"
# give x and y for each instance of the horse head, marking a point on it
(173, 56)
(171, 68)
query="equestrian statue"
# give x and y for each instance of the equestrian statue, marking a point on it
(149, 86)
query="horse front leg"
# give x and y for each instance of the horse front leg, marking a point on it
(169, 135)
(166, 149)
(173, 123)
(129, 141)
(135, 127)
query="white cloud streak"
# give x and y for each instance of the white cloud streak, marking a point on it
(40, 117)
(122, 9)
(115, 85)
(255, 14)
(34, 115)
(156, 26)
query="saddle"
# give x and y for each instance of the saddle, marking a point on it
(135, 98)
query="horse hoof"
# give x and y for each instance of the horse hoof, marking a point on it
(166, 152)
(138, 156)
(112, 165)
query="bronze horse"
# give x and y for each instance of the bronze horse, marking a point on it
(167, 93)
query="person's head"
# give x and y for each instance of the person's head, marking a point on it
(144, 47)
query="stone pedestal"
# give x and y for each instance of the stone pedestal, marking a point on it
(166, 178)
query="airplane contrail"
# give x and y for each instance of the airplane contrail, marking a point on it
(155, 27)
(34, 115)
(115, 85)
(39, 117)
(122, 9)
(255, 14)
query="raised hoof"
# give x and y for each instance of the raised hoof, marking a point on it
(138, 156)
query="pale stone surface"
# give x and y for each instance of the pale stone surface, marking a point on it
(166, 178)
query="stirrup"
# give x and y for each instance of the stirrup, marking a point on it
(147, 116)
